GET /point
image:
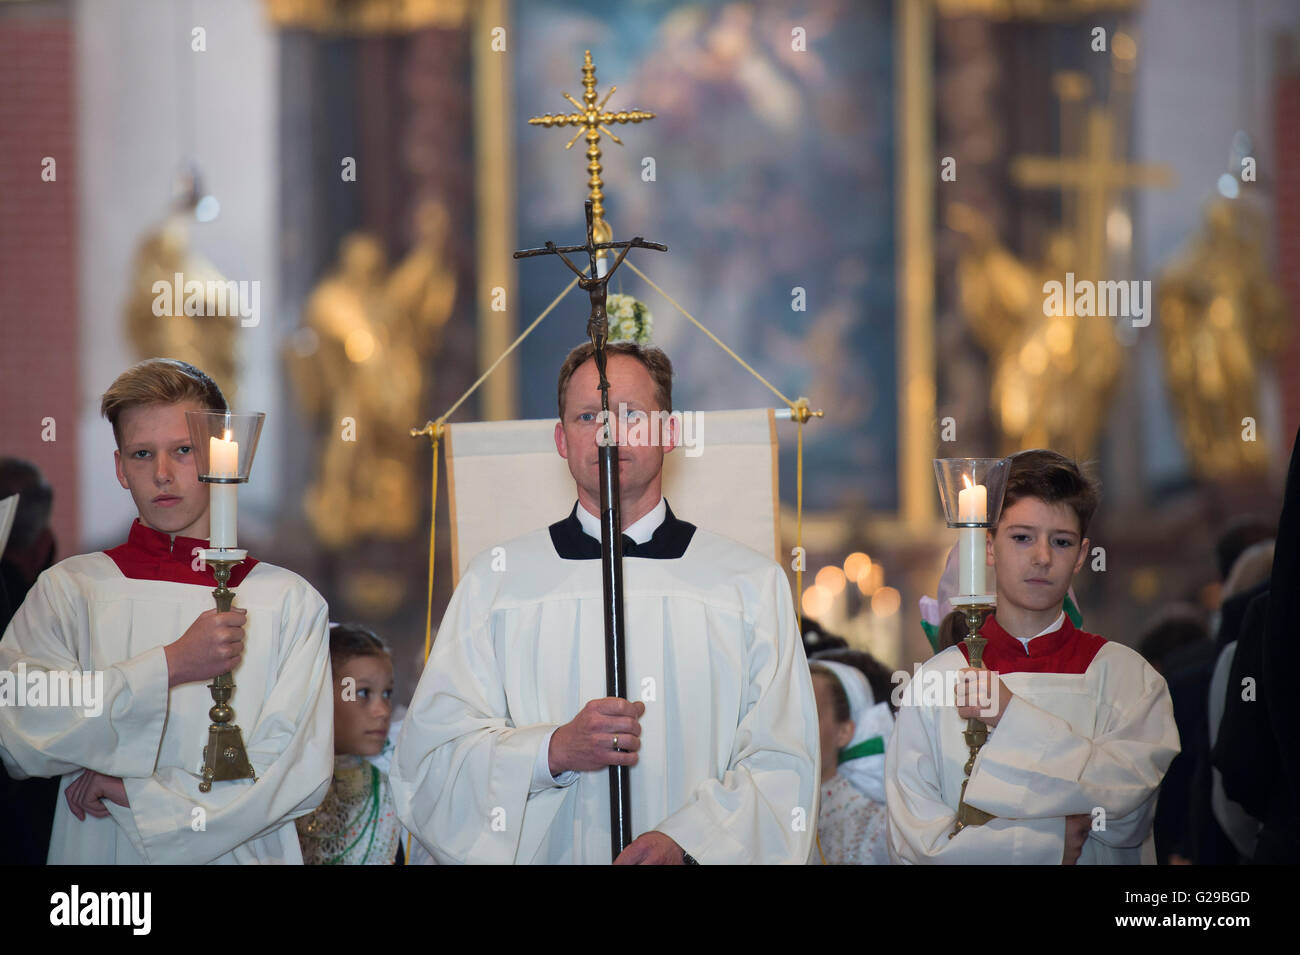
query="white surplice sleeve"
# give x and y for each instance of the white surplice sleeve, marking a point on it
(764, 809)
(1034, 766)
(50, 632)
(920, 820)
(462, 770)
(291, 748)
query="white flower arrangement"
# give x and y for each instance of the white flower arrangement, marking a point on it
(629, 319)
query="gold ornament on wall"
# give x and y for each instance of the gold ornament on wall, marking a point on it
(174, 322)
(1053, 376)
(360, 17)
(1221, 317)
(358, 366)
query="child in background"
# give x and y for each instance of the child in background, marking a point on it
(355, 824)
(852, 819)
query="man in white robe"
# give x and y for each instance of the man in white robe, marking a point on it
(139, 620)
(504, 753)
(1081, 729)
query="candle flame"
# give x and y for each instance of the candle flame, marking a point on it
(228, 433)
(969, 482)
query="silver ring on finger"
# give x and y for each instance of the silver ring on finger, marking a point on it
(615, 742)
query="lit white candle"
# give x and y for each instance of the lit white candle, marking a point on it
(972, 507)
(972, 503)
(223, 461)
(223, 457)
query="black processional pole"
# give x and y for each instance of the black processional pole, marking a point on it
(611, 525)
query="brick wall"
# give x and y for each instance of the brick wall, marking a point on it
(38, 252)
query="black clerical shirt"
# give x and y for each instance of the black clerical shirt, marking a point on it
(668, 542)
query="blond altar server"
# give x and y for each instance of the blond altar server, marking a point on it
(504, 752)
(139, 620)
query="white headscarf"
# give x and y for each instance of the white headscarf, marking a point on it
(862, 762)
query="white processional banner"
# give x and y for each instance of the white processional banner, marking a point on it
(505, 479)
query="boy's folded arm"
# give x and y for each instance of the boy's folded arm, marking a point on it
(1126, 831)
(1035, 766)
(996, 842)
(920, 821)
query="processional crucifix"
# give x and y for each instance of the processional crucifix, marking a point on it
(593, 119)
(594, 283)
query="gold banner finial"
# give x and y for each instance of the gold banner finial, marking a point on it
(592, 119)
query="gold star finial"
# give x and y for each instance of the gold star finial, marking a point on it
(593, 120)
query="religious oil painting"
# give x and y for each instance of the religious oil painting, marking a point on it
(767, 171)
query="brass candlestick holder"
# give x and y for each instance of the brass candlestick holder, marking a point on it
(971, 490)
(224, 444)
(976, 733)
(224, 757)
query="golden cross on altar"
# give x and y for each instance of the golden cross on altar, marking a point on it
(1095, 178)
(592, 119)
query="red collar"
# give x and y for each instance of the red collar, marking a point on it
(1067, 650)
(152, 555)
